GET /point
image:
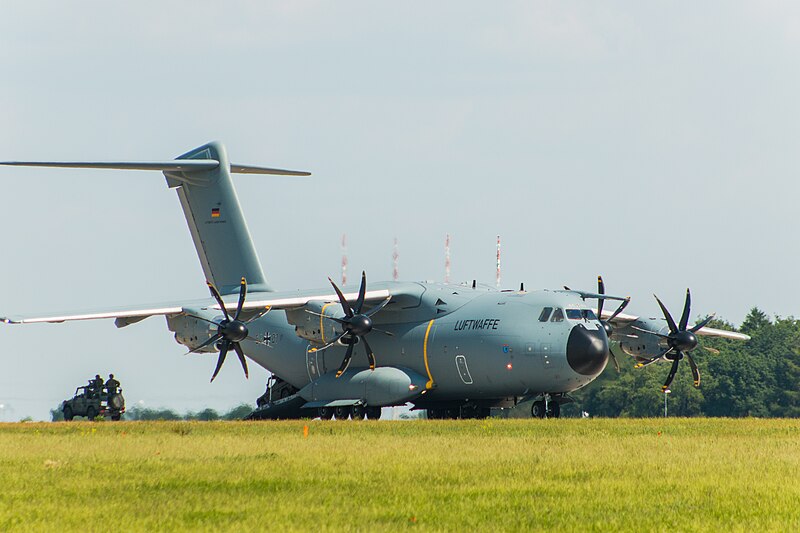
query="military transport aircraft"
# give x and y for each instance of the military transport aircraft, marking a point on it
(454, 350)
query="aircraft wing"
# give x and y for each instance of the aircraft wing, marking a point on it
(623, 320)
(260, 301)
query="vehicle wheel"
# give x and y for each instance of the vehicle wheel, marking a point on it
(325, 413)
(116, 417)
(358, 412)
(91, 413)
(68, 416)
(537, 409)
(341, 412)
(452, 413)
(554, 411)
(373, 413)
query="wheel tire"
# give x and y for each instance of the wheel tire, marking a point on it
(325, 413)
(452, 413)
(341, 412)
(373, 413)
(537, 409)
(91, 413)
(358, 412)
(554, 411)
(68, 416)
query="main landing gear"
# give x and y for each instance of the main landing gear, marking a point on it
(343, 412)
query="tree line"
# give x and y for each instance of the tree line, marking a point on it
(759, 378)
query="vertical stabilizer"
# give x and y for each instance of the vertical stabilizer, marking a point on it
(216, 222)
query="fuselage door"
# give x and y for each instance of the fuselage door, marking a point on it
(463, 370)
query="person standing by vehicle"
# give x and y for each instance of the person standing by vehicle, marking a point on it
(111, 386)
(96, 386)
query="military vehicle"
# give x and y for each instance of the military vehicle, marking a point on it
(87, 403)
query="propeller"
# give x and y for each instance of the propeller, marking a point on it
(680, 341)
(601, 289)
(355, 324)
(230, 331)
(609, 329)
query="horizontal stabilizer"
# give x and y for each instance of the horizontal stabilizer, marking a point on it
(177, 165)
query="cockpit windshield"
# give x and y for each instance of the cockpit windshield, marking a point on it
(581, 314)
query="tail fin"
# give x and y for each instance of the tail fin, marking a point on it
(215, 219)
(202, 178)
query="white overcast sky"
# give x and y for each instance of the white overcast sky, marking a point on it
(656, 143)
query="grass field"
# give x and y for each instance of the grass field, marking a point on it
(494, 475)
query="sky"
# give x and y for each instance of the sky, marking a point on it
(654, 143)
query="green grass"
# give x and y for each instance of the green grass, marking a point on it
(495, 475)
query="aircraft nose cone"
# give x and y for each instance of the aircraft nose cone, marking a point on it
(587, 350)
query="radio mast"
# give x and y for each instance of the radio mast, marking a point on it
(344, 259)
(447, 258)
(498, 262)
(395, 258)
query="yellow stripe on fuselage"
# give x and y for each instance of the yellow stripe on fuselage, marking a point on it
(429, 384)
(321, 323)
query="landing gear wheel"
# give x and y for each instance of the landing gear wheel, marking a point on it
(537, 409)
(435, 414)
(341, 412)
(325, 413)
(358, 412)
(452, 413)
(68, 416)
(373, 413)
(91, 413)
(554, 411)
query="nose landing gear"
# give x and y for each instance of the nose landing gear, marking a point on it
(547, 407)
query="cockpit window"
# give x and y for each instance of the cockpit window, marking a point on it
(588, 314)
(558, 315)
(545, 316)
(574, 314)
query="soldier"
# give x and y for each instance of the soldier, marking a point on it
(95, 386)
(111, 386)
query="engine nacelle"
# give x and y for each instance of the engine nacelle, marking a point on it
(191, 331)
(644, 344)
(312, 327)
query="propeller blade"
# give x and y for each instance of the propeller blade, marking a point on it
(339, 320)
(222, 353)
(242, 294)
(601, 289)
(614, 359)
(622, 306)
(346, 361)
(672, 327)
(389, 333)
(695, 370)
(370, 353)
(348, 312)
(259, 314)
(643, 362)
(242, 360)
(686, 311)
(334, 341)
(701, 325)
(710, 349)
(671, 374)
(378, 307)
(362, 291)
(218, 298)
(209, 342)
(657, 334)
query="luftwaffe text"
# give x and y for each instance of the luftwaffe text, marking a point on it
(481, 323)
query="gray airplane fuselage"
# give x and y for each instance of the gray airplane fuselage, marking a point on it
(468, 343)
